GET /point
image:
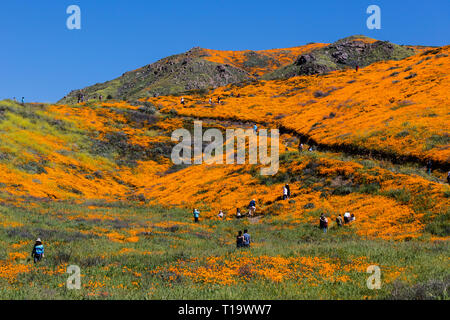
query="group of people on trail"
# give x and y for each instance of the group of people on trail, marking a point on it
(243, 240)
(323, 220)
(286, 192)
(182, 101)
(301, 147)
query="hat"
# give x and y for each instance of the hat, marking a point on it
(38, 240)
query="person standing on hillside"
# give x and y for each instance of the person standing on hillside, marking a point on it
(347, 217)
(38, 251)
(448, 177)
(238, 213)
(429, 166)
(285, 193)
(220, 215)
(210, 101)
(323, 223)
(255, 129)
(300, 147)
(23, 100)
(357, 68)
(182, 101)
(339, 220)
(196, 215)
(288, 191)
(247, 239)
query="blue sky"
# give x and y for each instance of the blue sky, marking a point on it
(42, 60)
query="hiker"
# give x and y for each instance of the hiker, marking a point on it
(300, 147)
(288, 190)
(252, 207)
(238, 213)
(218, 100)
(429, 166)
(100, 97)
(220, 214)
(323, 223)
(23, 100)
(182, 101)
(255, 128)
(352, 218)
(38, 251)
(210, 101)
(339, 220)
(196, 215)
(239, 240)
(285, 193)
(347, 217)
(246, 239)
(357, 68)
(448, 177)
(310, 149)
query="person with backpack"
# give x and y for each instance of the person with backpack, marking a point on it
(300, 147)
(252, 207)
(448, 177)
(255, 129)
(288, 191)
(196, 215)
(285, 193)
(239, 240)
(323, 223)
(238, 213)
(339, 220)
(220, 214)
(247, 239)
(38, 251)
(182, 101)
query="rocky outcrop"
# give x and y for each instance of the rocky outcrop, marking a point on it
(346, 53)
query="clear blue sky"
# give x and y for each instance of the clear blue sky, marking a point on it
(42, 60)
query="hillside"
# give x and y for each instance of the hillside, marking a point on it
(202, 69)
(95, 180)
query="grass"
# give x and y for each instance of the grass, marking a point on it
(155, 266)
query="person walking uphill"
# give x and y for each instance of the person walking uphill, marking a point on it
(247, 239)
(38, 251)
(196, 215)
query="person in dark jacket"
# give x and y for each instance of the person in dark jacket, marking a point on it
(38, 251)
(239, 240)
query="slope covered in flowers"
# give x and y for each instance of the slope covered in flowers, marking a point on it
(398, 108)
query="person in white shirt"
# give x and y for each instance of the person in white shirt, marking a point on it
(347, 217)
(220, 214)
